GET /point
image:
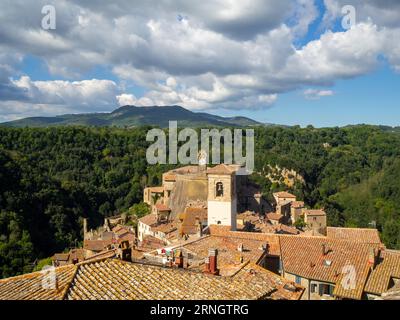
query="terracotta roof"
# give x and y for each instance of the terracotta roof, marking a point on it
(221, 169)
(127, 237)
(297, 204)
(228, 253)
(169, 177)
(303, 256)
(107, 235)
(156, 189)
(282, 228)
(190, 218)
(96, 245)
(284, 194)
(166, 227)
(121, 231)
(78, 253)
(61, 256)
(162, 207)
(314, 212)
(149, 219)
(249, 216)
(151, 243)
(184, 170)
(114, 279)
(271, 239)
(70, 257)
(274, 216)
(388, 267)
(354, 234)
(30, 286)
(118, 228)
(118, 280)
(199, 212)
(109, 253)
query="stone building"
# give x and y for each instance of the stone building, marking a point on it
(189, 184)
(315, 221)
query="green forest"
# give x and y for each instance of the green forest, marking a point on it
(52, 178)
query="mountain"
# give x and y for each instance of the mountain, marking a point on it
(131, 116)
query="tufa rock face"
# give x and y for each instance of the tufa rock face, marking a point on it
(187, 190)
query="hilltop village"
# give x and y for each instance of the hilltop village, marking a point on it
(212, 235)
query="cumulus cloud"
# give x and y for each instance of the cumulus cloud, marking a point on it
(381, 12)
(47, 98)
(201, 55)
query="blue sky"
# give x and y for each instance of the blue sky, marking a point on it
(371, 99)
(289, 62)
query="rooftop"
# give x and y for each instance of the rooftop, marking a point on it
(165, 227)
(297, 204)
(387, 268)
(274, 216)
(223, 169)
(149, 219)
(230, 259)
(315, 212)
(354, 234)
(96, 245)
(303, 256)
(30, 286)
(114, 279)
(162, 207)
(284, 194)
(190, 218)
(156, 189)
(271, 239)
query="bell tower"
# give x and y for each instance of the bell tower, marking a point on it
(222, 202)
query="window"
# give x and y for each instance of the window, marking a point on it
(325, 289)
(314, 288)
(298, 280)
(219, 189)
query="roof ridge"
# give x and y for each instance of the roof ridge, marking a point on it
(69, 283)
(353, 228)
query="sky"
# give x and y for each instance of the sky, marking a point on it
(292, 62)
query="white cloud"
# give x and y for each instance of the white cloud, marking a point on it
(48, 98)
(315, 94)
(126, 99)
(222, 54)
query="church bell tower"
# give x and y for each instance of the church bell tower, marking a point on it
(222, 202)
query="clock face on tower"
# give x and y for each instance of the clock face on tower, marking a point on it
(202, 157)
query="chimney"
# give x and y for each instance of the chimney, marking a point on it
(324, 251)
(372, 258)
(207, 265)
(240, 247)
(212, 254)
(178, 260)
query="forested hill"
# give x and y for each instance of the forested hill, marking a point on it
(51, 178)
(131, 116)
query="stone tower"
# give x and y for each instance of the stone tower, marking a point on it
(222, 202)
